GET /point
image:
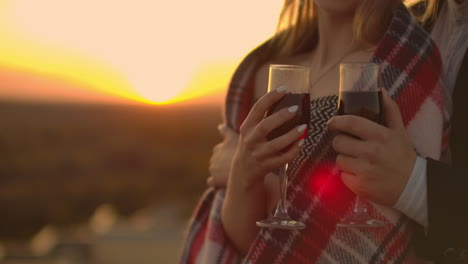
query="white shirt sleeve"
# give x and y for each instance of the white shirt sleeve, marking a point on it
(413, 199)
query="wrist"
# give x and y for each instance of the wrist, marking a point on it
(241, 208)
(245, 180)
(249, 195)
(239, 186)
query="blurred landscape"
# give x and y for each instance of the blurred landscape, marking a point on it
(77, 180)
(104, 177)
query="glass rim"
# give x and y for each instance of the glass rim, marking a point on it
(360, 65)
(288, 66)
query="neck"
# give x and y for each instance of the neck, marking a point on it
(335, 36)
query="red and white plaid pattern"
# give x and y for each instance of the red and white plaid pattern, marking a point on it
(411, 67)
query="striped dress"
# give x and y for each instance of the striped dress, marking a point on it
(410, 71)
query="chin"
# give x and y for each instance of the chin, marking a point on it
(338, 7)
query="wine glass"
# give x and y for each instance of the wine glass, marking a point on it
(296, 79)
(361, 96)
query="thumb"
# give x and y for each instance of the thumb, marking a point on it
(392, 113)
(222, 129)
(226, 131)
(210, 181)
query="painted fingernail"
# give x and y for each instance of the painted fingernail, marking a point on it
(301, 143)
(293, 108)
(301, 128)
(281, 89)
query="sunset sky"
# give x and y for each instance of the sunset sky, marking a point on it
(126, 51)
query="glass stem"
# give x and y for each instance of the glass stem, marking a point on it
(281, 210)
(359, 206)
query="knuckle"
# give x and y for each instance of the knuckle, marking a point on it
(375, 153)
(385, 137)
(336, 142)
(340, 161)
(370, 151)
(367, 171)
(248, 142)
(256, 108)
(263, 127)
(256, 157)
(276, 147)
(259, 103)
(377, 150)
(243, 130)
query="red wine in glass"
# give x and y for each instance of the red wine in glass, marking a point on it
(296, 80)
(302, 115)
(367, 104)
(360, 96)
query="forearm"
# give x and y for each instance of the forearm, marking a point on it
(254, 158)
(242, 207)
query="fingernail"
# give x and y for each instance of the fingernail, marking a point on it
(281, 89)
(293, 108)
(301, 128)
(301, 143)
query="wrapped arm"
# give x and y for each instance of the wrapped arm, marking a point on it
(206, 241)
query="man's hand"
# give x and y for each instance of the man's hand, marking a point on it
(221, 159)
(377, 162)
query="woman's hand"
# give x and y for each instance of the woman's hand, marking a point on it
(378, 163)
(221, 159)
(246, 195)
(255, 155)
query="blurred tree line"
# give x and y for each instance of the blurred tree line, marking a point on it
(58, 162)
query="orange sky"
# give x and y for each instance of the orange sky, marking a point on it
(20, 85)
(115, 51)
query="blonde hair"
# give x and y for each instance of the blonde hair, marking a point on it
(298, 20)
(424, 10)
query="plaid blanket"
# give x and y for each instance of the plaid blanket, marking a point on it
(411, 67)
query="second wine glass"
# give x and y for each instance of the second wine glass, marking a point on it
(296, 78)
(361, 96)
